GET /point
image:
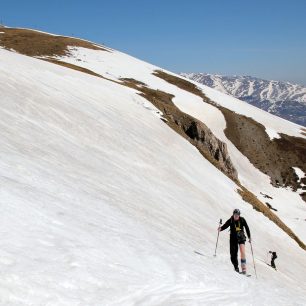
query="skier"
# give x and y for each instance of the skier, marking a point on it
(273, 257)
(237, 238)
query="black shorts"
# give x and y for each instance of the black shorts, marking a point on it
(241, 239)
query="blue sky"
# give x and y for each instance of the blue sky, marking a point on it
(266, 39)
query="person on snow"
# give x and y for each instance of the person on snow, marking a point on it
(273, 257)
(237, 225)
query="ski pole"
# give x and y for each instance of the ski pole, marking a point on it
(220, 222)
(253, 259)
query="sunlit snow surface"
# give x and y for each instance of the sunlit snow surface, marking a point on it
(103, 204)
(115, 65)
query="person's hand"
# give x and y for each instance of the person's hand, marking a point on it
(250, 240)
(219, 229)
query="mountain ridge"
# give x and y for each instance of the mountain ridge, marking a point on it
(283, 99)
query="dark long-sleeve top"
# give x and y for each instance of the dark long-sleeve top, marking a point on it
(241, 223)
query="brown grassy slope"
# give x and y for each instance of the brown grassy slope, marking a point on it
(33, 43)
(74, 67)
(232, 118)
(179, 82)
(273, 157)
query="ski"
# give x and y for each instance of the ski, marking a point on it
(271, 266)
(247, 275)
(268, 264)
(199, 253)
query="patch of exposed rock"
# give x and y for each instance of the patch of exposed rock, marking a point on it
(195, 131)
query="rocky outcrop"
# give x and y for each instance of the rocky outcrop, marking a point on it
(205, 140)
(195, 131)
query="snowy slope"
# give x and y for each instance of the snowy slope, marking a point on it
(118, 65)
(101, 204)
(283, 99)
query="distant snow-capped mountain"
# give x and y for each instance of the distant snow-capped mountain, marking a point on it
(283, 99)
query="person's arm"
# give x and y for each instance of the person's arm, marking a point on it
(247, 229)
(225, 225)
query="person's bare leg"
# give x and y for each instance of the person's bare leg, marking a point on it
(242, 256)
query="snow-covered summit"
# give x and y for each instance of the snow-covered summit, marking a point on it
(106, 201)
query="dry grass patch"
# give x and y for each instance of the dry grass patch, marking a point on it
(276, 157)
(78, 68)
(74, 67)
(33, 43)
(179, 82)
(183, 84)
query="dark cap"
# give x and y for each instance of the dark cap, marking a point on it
(236, 212)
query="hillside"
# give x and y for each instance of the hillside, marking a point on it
(115, 173)
(283, 99)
